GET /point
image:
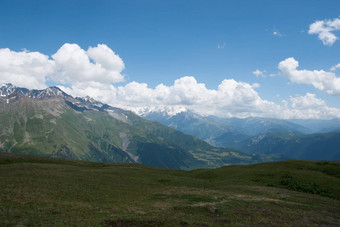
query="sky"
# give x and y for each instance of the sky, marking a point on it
(226, 58)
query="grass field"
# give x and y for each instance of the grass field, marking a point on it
(37, 191)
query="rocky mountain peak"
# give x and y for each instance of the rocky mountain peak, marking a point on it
(164, 111)
(7, 89)
(90, 102)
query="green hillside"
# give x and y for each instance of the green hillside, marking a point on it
(53, 128)
(64, 127)
(38, 191)
(318, 146)
(223, 132)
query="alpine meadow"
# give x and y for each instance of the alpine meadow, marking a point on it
(169, 113)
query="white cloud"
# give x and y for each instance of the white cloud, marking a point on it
(74, 65)
(320, 79)
(103, 92)
(221, 46)
(255, 85)
(325, 30)
(308, 107)
(258, 73)
(277, 33)
(26, 69)
(90, 72)
(71, 65)
(94, 72)
(230, 99)
(335, 67)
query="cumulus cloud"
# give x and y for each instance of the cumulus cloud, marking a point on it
(335, 67)
(71, 65)
(230, 99)
(325, 30)
(24, 68)
(259, 73)
(90, 72)
(308, 107)
(102, 92)
(320, 79)
(97, 64)
(95, 71)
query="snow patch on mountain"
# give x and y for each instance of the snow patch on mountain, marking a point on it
(166, 111)
(6, 89)
(10, 89)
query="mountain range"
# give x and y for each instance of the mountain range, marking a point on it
(52, 123)
(316, 146)
(311, 139)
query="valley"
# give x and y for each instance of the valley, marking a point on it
(288, 139)
(52, 123)
(169, 113)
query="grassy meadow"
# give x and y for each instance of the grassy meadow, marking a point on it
(39, 191)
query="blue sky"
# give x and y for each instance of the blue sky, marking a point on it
(162, 41)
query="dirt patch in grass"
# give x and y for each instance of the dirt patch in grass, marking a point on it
(136, 223)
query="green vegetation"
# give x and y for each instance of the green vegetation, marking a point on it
(224, 132)
(42, 191)
(318, 146)
(55, 127)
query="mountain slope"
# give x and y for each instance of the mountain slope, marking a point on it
(319, 126)
(51, 123)
(265, 136)
(319, 146)
(224, 132)
(189, 123)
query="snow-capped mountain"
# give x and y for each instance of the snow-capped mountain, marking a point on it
(52, 123)
(8, 90)
(165, 111)
(10, 93)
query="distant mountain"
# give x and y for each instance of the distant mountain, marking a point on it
(319, 126)
(256, 125)
(189, 123)
(52, 123)
(224, 132)
(319, 146)
(230, 139)
(290, 139)
(253, 126)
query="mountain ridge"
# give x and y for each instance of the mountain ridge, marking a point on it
(316, 146)
(212, 129)
(52, 123)
(291, 139)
